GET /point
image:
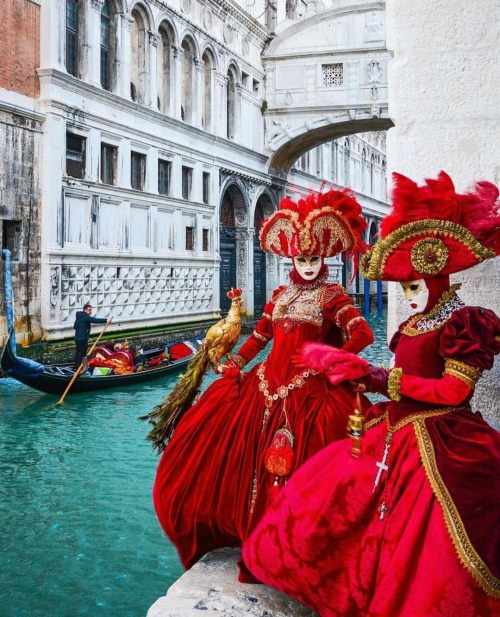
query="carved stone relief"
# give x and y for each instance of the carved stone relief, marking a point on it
(129, 291)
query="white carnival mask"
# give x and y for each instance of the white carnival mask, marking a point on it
(308, 266)
(416, 294)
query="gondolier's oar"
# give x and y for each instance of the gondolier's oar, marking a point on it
(79, 369)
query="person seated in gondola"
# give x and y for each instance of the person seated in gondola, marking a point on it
(140, 361)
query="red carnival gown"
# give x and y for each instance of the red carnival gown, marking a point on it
(425, 540)
(212, 485)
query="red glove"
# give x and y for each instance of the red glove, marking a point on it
(229, 370)
(376, 380)
(338, 365)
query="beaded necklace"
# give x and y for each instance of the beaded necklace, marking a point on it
(282, 392)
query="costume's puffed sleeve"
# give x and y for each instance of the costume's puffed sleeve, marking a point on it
(356, 332)
(261, 336)
(469, 343)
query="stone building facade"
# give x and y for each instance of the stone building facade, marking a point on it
(154, 177)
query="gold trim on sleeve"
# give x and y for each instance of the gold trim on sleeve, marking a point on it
(466, 552)
(261, 337)
(353, 321)
(239, 360)
(466, 373)
(394, 383)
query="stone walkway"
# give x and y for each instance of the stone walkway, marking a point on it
(212, 587)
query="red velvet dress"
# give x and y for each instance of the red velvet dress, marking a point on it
(212, 485)
(425, 539)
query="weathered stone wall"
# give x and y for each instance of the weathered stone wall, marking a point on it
(20, 138)
(443, 100)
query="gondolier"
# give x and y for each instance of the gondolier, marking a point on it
(82, 325)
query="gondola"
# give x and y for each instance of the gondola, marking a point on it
(54, 378)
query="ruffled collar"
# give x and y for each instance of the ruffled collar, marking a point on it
(448, 303)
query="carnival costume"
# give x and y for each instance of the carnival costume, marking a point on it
(250, 430)
(412, 526)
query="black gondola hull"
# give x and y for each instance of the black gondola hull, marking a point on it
(51, 383)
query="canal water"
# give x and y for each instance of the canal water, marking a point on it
(78, 532)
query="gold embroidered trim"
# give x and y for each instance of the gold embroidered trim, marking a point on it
(353, 321)
(282, 391)
(373, 263)
(261, 337)
(430, 413)
(466, 552)
(375, 421)
(408, 328)
(342, 310)
(239, 360)
(466, 373)
(394, 383)
(331, 291)
(429, 256)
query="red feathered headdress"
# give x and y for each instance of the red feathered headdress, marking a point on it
(434, 231)
(320, 224)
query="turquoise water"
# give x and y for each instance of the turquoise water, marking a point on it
(78, 532)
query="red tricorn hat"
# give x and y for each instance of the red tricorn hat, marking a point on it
(320, 224)
(434, 231)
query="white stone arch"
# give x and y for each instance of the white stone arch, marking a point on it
(165, 66)
(208, 65)
(189, 91)
(336, 86)
(233, 94)
(141, 20)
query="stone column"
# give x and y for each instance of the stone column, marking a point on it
(126, 50)
(153, 69)
(177, 82)
(196, 99)
(53, 35)
(243, 238)
(93, 69)
(454, 127)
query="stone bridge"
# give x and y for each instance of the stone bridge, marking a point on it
(326, 76)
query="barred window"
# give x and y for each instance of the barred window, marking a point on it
(205, 238)
(333, 74)
(189, 238)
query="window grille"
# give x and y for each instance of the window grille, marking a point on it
(187, 174)
(164, 173)
(75, 155)
(137, 171)
(189, 238)
(72, 37)
(333, 74)
(105, 46)
(205, 244)
(108, 164)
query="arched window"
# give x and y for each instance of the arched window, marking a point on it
(106, 46)
(206, 103)
(163, 64)
(372, 176)
(187, 91)
(72, 46)
(362, 180)
(347, 159)
(231, 104)
(138, 60)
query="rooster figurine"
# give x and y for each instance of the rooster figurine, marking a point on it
(219, 342)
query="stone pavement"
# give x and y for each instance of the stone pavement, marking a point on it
(212, 587)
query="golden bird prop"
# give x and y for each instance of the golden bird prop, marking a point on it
(219, 342)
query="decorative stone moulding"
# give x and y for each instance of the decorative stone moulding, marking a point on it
(128, 291)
